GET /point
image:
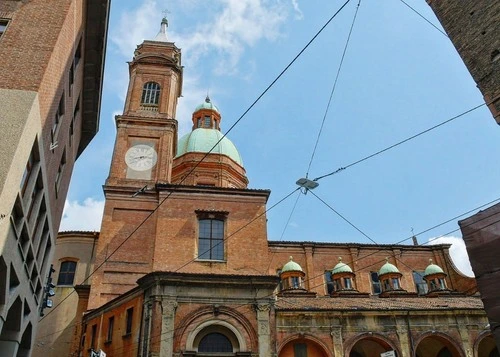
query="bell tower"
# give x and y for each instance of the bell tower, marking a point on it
(146, 139)
(147, 129)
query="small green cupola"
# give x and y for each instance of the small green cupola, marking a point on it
(342, 279)
(292, 281)
(435, 278)
(390, 278)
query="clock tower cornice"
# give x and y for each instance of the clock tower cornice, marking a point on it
(152, 120)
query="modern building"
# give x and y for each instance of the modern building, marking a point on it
(183, 267)
(51, 70)
(474, 29)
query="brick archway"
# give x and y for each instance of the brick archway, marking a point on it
(309, 343)
(485, 344)
(371, 341)
(431, 343)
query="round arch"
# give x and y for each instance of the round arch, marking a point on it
(485, 345)
(306, 342)
(370, 344)
(437, 344)
(216, 326)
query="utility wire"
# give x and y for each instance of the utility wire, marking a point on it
(213, 147)
(363, 257)
(235, 307)
(276, 79)
(399, 142)
(355, 227)
(189, 262)
(333, 88)
(422, 16)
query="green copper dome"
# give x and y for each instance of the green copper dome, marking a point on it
(341, 268)
(202, 140)
(291, 266)
(433, 269)
(207, 104)
(388, 268)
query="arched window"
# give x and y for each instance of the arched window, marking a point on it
(150, 94)
(67, 273)
(215, 342)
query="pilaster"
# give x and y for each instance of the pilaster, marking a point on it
(264, 331)
(167, 331)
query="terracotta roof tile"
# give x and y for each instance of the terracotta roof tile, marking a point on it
(376, 303)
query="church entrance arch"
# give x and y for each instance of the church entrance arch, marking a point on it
(437, 345)
(215, 337)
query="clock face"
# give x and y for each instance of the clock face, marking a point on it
(141, 157)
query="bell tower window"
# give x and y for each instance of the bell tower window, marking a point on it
(150, 94)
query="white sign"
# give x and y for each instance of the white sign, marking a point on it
(388, 354)
(101, 353)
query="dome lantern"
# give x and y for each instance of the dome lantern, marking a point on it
(205, 156)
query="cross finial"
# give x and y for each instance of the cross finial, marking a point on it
(165, 12)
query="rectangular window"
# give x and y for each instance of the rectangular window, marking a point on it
(347, 283)
(300, 350)
(58, 118)
(32, 160)
(3, 26)
(111, 323)
(207, 122)
(328, 282)
(60, 172)
(375, 283)
(420, 284)
(128, 322)
(93, 336)
(37, 190)
(211, 239)
(78, 54)
(395, 283)
(67, 273)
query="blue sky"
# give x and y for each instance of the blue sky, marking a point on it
(400, 76)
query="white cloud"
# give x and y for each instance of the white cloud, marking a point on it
(241, 23)
(82, 217)
(458, 253)
(298, 13)
(134, 27)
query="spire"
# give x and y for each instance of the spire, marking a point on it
(162, 35)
